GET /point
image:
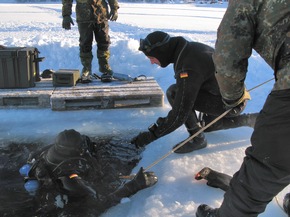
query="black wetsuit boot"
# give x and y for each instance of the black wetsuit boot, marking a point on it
(198, 142)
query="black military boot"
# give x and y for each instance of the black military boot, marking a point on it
(206, 211)
(214, 178)
(86, 60)
(104, 67)
(198, 142)
(286, 204)
(244, 120)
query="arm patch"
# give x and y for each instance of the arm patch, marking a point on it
(183, 75)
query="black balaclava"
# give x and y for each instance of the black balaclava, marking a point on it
(157, 44)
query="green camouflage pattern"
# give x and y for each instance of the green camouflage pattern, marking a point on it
(96, 11)
(262, 25)
(86, 60)
(103, 59)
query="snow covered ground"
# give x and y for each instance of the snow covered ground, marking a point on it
(176, 193)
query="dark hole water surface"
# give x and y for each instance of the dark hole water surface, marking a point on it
(15, 201)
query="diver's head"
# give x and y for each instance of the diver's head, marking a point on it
(51, 162)
(68, 144)
(156, 45)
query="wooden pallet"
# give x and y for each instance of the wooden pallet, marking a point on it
(34, 97)
(95, 95)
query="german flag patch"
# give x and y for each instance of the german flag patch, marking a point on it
(183, 75)
(73, 176)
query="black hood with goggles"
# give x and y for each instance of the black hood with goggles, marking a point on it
(157, 44)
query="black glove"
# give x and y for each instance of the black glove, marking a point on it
(144, 179)
(237, 106)
(113, 16)
(160, 121)
(141, 180)
(143, 139)
(66, 22)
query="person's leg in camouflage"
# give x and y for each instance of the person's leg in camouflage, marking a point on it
(103, 54)
(85, 43)
(103, 58)
(86, 60)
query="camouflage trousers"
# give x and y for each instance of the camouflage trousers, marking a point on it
(89, 31)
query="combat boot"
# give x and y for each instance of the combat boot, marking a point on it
(286, 203)
(86, 60)
(104, 67)
(214, 178)
(206, 211)
(244, 120)
(198, 142)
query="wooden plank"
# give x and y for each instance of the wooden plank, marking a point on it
(116, 94)
(96, 95)
(34, 97)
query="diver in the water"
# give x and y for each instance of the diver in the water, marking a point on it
(73, 174)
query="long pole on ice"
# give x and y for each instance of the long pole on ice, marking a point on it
(198, 132)
(192, 136)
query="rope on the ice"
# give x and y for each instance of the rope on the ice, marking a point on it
(191, 137)
(198, 132)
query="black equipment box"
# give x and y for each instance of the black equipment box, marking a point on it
(66, 77)
(19, 67)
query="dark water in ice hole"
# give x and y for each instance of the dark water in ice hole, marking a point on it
(15, 201)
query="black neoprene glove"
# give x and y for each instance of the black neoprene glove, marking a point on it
(144, 138)
(145, 179)
(160, 121)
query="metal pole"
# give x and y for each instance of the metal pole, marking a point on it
(192, 136)
(198, 132)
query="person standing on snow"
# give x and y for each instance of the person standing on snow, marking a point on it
(92, 17)
(196, 88)
(265, 27)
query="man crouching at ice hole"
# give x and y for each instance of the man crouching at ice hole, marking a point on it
(72, 174)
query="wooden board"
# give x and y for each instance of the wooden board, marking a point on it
(116, 94)
(95, 95)
(33, 97)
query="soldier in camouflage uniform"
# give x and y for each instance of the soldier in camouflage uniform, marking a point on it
(92, 17)
(265, 171)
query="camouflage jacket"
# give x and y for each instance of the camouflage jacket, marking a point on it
(262, 25)
(89, 10)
